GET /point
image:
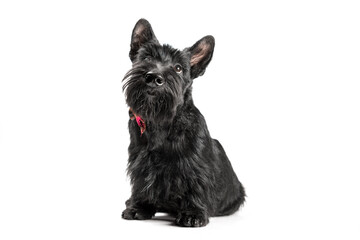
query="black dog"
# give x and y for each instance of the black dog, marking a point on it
(174, 164)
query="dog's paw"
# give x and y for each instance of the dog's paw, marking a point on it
(191, 220)
(133, 214)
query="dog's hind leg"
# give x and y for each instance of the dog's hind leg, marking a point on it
(232, 204)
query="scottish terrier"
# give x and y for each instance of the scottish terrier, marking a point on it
(174, 165)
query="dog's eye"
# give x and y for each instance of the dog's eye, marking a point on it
(178, 68)
(147, 58)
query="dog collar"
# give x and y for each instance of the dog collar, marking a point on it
(140, 122)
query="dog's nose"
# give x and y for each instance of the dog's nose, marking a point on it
(154, 79)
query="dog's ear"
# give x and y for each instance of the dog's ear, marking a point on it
(201, 53)
(141, 34)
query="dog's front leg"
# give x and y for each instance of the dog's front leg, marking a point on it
(136, 210)
(191, 219)
(192, 214)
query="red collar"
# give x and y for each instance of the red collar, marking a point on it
(140, 122)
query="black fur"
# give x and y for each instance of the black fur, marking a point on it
(174, 166)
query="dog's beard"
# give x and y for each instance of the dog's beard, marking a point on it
(156, 105)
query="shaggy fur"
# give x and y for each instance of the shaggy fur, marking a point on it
(174, 165)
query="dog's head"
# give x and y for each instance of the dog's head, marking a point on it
(161, 77)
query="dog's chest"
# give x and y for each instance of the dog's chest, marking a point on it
(165, 167)
(163, 176)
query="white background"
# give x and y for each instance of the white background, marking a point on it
(281, 94)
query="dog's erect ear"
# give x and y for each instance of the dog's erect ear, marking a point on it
(201, 53)
(141, 34)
